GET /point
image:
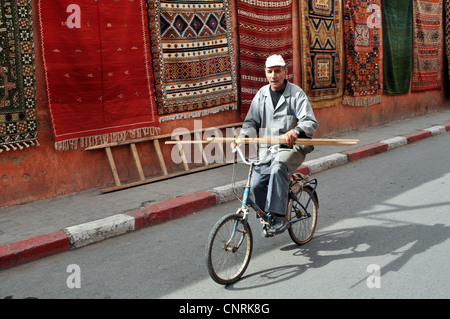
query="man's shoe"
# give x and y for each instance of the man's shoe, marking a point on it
(278, 226)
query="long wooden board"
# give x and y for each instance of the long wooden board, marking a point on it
(257, 140)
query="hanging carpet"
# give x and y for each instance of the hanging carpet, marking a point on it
(18, 127)
(447, 44)
(97, 67)
(322, 52)
(363, 55)
(397, 45)
(265, 28)
(193, 58)
(427, 39)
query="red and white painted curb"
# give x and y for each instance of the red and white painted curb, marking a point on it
(88, 233)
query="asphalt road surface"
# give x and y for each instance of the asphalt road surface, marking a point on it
(383, 232)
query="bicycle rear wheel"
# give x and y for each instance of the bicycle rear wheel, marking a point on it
(229, 249)
(303, 230)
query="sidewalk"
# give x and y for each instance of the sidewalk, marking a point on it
(46, 227)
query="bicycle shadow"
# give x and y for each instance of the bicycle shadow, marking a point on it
(267, 277)
(402, 241)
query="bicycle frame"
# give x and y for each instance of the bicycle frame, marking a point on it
(247, 201)
(266, 216)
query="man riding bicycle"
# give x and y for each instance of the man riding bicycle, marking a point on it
(279, 109)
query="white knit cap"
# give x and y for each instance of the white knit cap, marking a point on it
(275, 60)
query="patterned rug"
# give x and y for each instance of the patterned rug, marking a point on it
(96, 60)
(265, 28)
(397, 46)
(427, 39)
(322, 53)
(447, 40)
(362, 43)
(192, 55)
(18, 127)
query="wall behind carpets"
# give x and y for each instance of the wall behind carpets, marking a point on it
(42, 172)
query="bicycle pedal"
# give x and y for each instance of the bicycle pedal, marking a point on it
(265, 234)
(265, 223)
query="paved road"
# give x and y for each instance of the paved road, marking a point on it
(383, 232)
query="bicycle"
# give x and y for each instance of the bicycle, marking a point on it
(230, 242)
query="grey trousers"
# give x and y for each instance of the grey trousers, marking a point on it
(270, 182)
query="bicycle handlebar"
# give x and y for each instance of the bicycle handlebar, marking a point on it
(271, 150)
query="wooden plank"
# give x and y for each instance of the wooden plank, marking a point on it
(183, 157)
(299, 141)
(157, 137)
(112, 165)
(221, 146)
(162, 164)
(200, 146)
(256, 140)
(160, 178)
(137, 161)
(189, 142)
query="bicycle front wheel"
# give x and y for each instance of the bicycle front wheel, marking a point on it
(303, 229)
(229, 249)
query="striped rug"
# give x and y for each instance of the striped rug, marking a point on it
(265, 28)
